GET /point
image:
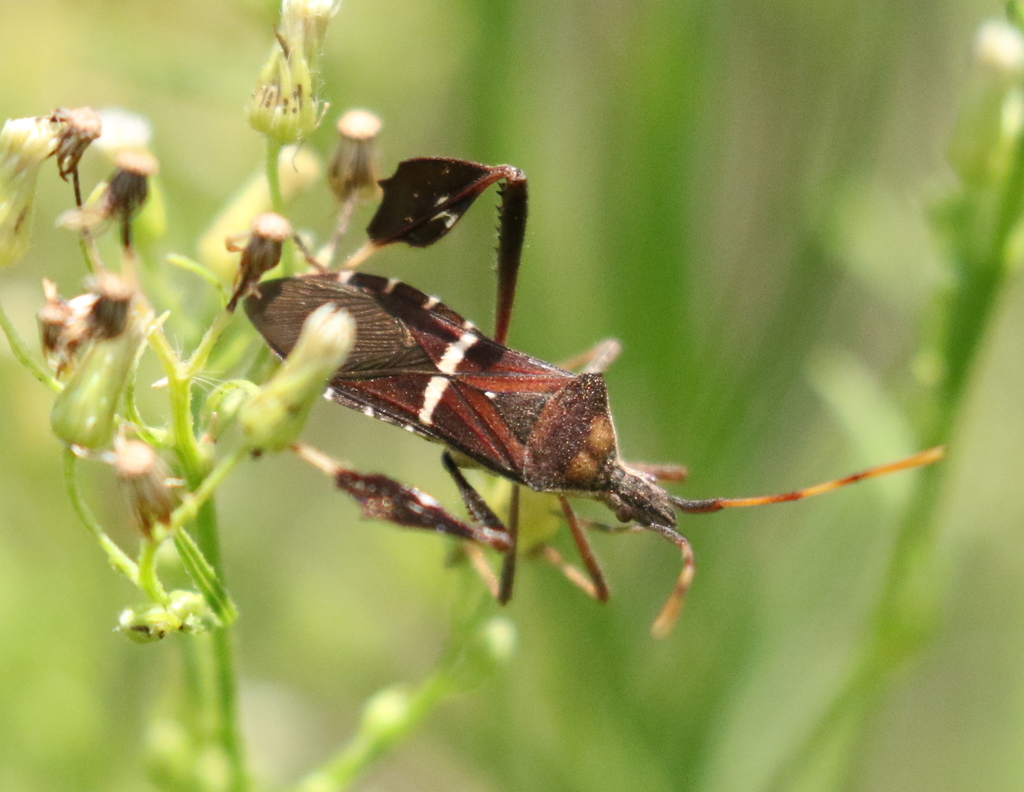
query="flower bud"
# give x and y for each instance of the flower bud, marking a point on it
(304, 23)
(146, 482)
(149, 625)
(273, 418)
(387, 712)
(985, 130)
(221, 406)
(191, 609)
(84, 412)
(261, 254)
(284, 105)
(77, 129)
(353, 171)
(489, 647)
(24, 144)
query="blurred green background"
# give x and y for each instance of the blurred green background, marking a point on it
(740, 192)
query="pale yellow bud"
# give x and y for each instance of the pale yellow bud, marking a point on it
(284, 105)
(24, 144)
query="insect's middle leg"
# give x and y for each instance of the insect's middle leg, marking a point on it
(484, 515)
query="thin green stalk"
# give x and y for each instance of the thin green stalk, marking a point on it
(274, 176)
(149, 582)
(277, 201)
(392, 713)
(375, 739)
(201, 356)
(202, 558)
(118, 559)
(201, 568)
(905, 616)
(23, 356)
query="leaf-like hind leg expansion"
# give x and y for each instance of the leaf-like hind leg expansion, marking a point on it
(383, 498)
(484, 515)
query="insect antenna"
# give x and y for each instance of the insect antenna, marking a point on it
(666, 618)
(704, 506)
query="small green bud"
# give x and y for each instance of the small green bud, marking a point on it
(988, 120)
(487, 649)
(275, 416)
(499, 638)
(24, 144)
(84, 412)
(149, 625)
(284, 105)
(190, 608)
(223, 404)
(386, 712)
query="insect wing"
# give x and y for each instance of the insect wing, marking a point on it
(418, 364)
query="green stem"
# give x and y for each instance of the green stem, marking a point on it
(149, 582)
(22, 354)
(118, 559)
(372, 741)
(277, 202)
(201, 356)
(905, 616)
(392, 713)
(274, 176)
(202, 558)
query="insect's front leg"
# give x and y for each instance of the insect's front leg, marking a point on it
(383, 498)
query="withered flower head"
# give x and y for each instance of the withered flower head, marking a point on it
(146, 482)
(123, 197)
(129, 185)
(53, 318)
(354, 168)
(261, 254)
(77, 128)
(65, 325)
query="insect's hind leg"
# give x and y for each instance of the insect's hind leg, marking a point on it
(383, 498)
(484, 515)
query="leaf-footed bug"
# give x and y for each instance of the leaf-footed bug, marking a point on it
(417, 364)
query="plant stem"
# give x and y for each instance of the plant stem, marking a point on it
(905, 616)
(274, 176)
(118, 559)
